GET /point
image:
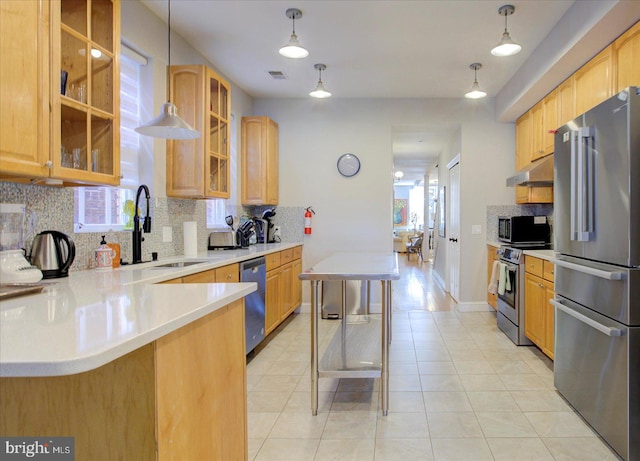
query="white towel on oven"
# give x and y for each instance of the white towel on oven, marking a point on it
(502, 278)
(493, 282)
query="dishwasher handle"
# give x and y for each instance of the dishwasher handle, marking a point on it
(250, 264)
(586, 320)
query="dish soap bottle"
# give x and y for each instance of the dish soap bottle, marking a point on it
(103, 256)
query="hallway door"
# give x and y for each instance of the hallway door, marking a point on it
(453, 249)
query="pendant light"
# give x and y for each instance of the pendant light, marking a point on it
(293, 49)
(320, 92)
(168, 125)
(475, 92)
(506, 47)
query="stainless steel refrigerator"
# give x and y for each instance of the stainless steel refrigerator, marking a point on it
(597, 274)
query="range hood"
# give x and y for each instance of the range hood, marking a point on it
(538, 173)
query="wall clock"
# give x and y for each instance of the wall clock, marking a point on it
(348, 165)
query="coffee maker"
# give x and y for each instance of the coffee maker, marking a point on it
(270, 227)
(260, 227)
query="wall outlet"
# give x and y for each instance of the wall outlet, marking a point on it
(167, 234)
(476, 229)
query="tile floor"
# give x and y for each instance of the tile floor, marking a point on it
(459, 390)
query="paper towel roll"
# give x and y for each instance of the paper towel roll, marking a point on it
(190, 238)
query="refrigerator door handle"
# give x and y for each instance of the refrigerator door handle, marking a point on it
(583, 184)
(574, 184)
(586, 320)
(607, 275)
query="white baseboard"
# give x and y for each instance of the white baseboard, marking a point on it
(439, 280)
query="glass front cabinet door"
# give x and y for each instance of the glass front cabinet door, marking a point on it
(86, 92)
(200, 168)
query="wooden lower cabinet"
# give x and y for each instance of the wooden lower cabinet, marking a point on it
(284, 288)
(539, 312)
(201, 388)
(180, 397)
(492, 256)
(272, 301)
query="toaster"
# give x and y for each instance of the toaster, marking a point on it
(222, 239)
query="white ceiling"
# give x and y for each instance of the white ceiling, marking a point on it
(372, 49)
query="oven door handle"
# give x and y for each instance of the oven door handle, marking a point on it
(608, 275)
(586, 320)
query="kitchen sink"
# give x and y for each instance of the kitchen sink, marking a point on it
(166, 265)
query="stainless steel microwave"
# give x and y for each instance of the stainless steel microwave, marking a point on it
(524, 229)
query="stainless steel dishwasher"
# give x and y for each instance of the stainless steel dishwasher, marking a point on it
(254, 270)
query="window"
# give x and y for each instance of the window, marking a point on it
(100, 209)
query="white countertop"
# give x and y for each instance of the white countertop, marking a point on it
(81, 322)
(355, 266)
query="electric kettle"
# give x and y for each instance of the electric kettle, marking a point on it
(52, 252)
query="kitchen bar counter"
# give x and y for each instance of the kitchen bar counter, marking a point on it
(354, 351)
(91, 318)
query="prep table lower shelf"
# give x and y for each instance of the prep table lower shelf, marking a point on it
(355, 350)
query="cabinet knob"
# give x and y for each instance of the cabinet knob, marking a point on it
(228, 276)
(539, 285)
(48, 164)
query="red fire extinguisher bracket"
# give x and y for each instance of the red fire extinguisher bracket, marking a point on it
(307, 220)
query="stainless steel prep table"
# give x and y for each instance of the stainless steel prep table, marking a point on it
(346, 354)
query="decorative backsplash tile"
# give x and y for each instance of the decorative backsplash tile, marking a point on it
(53, 207)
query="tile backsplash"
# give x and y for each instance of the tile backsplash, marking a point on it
(53, 207)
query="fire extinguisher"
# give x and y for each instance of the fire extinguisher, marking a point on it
(307, 220)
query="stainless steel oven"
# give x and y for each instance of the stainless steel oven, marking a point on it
(511, 295)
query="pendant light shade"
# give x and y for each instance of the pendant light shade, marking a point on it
(168, 125)
(506, 47)
(293, 49)
(320, 92)
(475, 92)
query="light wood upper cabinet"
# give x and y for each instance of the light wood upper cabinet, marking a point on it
(626, 55)
(537, 125)
(60, 92)
(523, 141)
(24, 73)
(593, 82)
(566, 102)
(259, 161)
(200, 168)
(549, 122)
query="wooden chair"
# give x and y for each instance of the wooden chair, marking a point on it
(415, 247)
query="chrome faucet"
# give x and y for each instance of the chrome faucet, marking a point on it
(146, 226)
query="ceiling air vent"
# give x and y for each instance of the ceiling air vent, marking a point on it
(277, 75)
